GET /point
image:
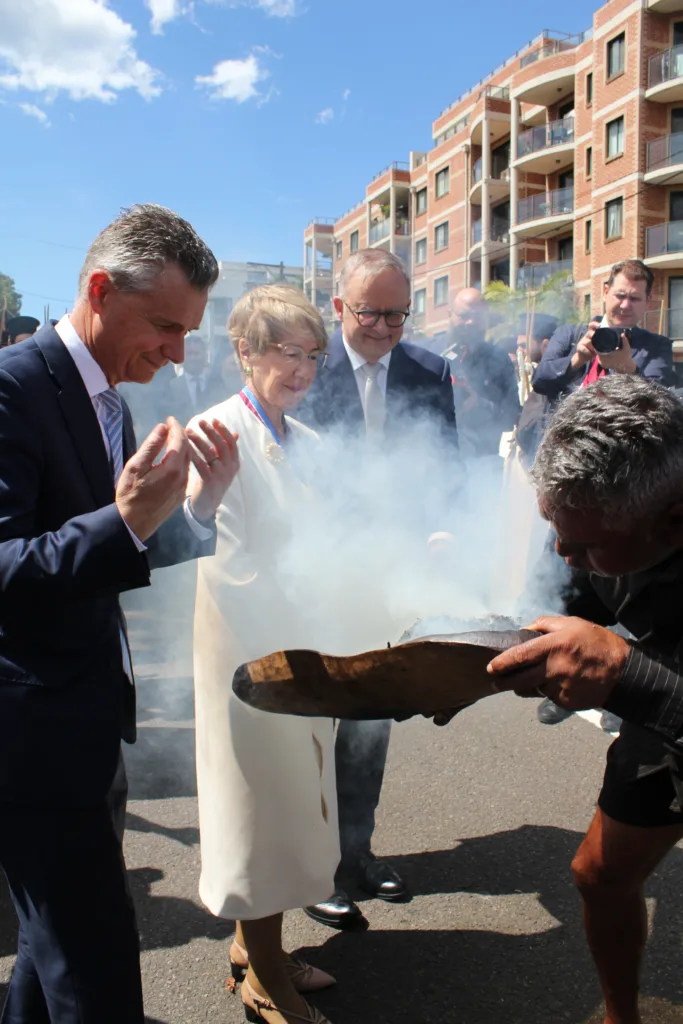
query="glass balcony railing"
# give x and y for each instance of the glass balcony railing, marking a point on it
(665, 152)
(668, 322)
(500, 167)
(476, 232)
(500, 229)
(665, 67)
(556, 133)
(402, 226)
(535, 275)
(379, 230)
(546, 204)
(477, 168)
(663, 238)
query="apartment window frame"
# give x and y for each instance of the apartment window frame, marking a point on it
(619, 38)
(421, 201)
(620, 137)
(442, 175)
(588, 237)
(339, 249)
(615, 202)
(589, 89)
(445, 229)
(354, 242)
(589, 162)
(441, 285)
(420, 303)
(420, 247)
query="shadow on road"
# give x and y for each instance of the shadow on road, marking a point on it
(428, 975)
(168, 921)
(187, 836)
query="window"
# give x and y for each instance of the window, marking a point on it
(589, 161)
(441, 237)
(565, 249)
(616, 52)
(421, 201)
(420, 301)
(339, 250)
(589, 236)
(353, 242)
(678, 33)
(614, 218)
(615, 137)
(442, 182)
(421, 251)
(441, 291)
(677, 121)
(589, 89)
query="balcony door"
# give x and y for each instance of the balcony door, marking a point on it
(678, 33)
(675, 325)
(565, 249)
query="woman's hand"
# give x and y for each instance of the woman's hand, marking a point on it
(216, 458)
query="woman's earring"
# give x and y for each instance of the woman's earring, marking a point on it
(248, 371)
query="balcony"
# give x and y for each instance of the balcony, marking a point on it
(664, 245)
(665, 160)
(499, 235)
(476, 232)
(534, 275)
(547, 85)
(668, 322)
(382, 228)
(545, 148)
(665, 6)
(545, 213)
(665, 76)
(499, 182)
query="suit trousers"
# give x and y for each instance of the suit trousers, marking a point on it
(78, 960)
(360, 756)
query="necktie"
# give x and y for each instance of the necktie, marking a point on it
(373, 401)
(110, 414)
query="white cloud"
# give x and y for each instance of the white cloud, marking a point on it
(346, 94)
(278, 8)
(163, 11)
(32, 111)
(325, 116)
(235, 80)
(79, 47)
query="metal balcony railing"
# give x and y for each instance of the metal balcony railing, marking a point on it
(668, 322)
(321, 220)
(550, 204)
(665, 152)
(663, 238)
(556, 133)
(665, 66)
(535, 275)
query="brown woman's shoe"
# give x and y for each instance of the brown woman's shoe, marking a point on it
(255, 1007)
(304, 977)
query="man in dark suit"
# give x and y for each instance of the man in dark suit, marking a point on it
(83, 517)
(195, 389)
(373, 385)
(570, 360)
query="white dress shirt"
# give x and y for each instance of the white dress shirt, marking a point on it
(357, 364)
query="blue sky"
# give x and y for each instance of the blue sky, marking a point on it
(249, 118)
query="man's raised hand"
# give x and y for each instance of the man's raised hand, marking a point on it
(148, 492)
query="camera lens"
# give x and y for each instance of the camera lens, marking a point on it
(606, 339)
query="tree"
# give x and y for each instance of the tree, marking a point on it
(556, 296)
(10, 295)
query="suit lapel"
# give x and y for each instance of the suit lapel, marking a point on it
(343, 387)
(79, 415)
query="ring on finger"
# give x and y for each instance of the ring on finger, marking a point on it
(211, 461)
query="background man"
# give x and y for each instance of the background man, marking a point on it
(83, 518)
(484, 379)
(609, 476)
(195, 389)
(570, 359)
(373, 384)
(18, 328)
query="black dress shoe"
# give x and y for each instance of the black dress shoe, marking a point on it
(548, 713)
(337, 912)
(380, 880)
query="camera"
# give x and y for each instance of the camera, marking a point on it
(607, 339)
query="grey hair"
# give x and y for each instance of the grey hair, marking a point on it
(615, 447)
(370, 263)
(143, 239)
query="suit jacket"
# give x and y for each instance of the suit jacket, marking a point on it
(418, 384)
(65, 556)
(652, 353)
(179, 399)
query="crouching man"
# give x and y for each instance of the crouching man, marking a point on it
(609, 478)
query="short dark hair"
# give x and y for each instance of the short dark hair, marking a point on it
(143, 239)
(634, 270)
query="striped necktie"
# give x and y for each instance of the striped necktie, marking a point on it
(110, 414)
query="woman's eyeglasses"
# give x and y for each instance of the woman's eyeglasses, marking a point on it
(297, 356)
(370, 317)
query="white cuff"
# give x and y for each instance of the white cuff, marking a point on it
(136, 540)
(200, 531)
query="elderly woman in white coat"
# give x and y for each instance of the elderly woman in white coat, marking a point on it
(267, 798)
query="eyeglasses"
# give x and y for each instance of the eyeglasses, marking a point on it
(370, 317)
(294, 355)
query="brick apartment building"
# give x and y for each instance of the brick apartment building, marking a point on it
(568, 157)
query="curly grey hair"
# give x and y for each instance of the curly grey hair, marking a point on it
(615, 447)
(137, 246)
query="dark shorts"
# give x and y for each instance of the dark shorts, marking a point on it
(643, 784)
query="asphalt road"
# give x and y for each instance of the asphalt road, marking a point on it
(481, 817)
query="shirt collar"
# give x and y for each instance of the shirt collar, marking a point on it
(357, 360)
(90, 370)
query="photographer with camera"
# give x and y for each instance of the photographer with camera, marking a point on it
(579, 354)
